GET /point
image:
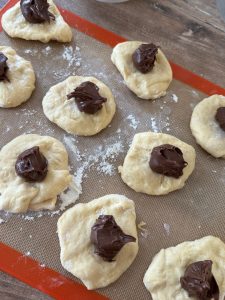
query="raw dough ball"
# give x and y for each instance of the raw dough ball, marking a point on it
(136, 172)
(151, 85)
(16, 26)
(66, 114)
(17, 195)
(162, 278)
(77, 252)
(206, 129)
(21, 80)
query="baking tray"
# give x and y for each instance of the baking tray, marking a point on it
(29, 245)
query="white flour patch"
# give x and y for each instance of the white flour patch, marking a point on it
(70, 55)
(133, 122)
(174, 98)
(70, 142)
(71, 195)
(167, 228)
(2, 221)
(144, 231)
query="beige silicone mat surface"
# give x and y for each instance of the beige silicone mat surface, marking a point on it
(193, 212)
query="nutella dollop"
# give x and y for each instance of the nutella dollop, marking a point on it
(144, 57)
(199, 281)
(220, 117)
(36, 11)
(108, 238)
(32, 165)
(167, 160)
(87, 97)
(3, 67)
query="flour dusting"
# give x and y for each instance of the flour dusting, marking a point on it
(71, 195)
(167, 228)
(174, 98)
(133, 122)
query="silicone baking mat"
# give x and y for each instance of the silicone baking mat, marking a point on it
(30, 247)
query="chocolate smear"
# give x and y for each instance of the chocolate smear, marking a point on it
(220, 117)
(108, 238)
(36, 11)
(87, 97)
(144, 57)
(32, 165)
(3, 67)
(199, 281)
(167, 160)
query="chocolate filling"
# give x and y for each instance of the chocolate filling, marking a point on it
(167, 160)
(3, 67)
(144, 57)
(108, 238)
(220, 117)
(87, 98)
(199, 281)
(36, 11)
(32, 165)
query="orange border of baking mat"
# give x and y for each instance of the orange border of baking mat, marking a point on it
(25, 268)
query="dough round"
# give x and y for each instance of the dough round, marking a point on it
(66, 114)
(16, 26)
(205, 128)
(151, 85)
(77, 252)
(136, 172)
(162, 278)
(17, 195)
(21, 80)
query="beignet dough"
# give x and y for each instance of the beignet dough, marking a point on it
(16, 26)
(66, 114)
(206, 129)
(136, 172)
(17, 195)
(162, 278)
(151, 85)
(77, 252)
(21, 80)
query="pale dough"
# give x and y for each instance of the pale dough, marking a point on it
(21, 80)
(151, 85)
(136, 172)
(17, 195)
(205, 128)
(66, 114)
(16, 26)
(162, 278)
(77, 252)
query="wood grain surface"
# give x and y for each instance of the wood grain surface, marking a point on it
(190, 32)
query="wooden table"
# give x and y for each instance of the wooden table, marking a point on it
(190, 32)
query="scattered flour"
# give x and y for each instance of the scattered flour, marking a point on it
(133, 122)
(167, 228)
(71, 195)
(144, 231)
(174, 98)
(2, 221)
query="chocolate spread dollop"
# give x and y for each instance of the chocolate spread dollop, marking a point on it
(108, 238)
(220, 117)
(199, 281)
(87, 97)
(144, 57)
(32, 165)
(167, 160)
(3, 67)
(36, 11)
